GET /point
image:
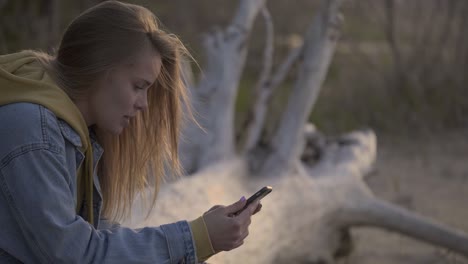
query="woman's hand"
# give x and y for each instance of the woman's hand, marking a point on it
(228, 231)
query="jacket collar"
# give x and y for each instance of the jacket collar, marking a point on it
(71, 135)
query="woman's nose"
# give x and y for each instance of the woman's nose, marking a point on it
(142, 102)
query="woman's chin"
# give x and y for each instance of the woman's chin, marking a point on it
(114, 130)
(117, 131)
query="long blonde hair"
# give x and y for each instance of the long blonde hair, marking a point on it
(95, 41)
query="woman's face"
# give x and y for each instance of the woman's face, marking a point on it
(122, 92)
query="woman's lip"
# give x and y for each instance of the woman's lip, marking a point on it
(126, 121)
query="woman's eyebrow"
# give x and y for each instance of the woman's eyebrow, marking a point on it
(145, 82)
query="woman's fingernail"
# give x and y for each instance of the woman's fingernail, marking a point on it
(242, 198)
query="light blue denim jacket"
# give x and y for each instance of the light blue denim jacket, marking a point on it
(39, 156)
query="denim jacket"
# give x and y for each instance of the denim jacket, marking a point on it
(39, 157)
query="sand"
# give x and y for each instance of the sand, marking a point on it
(428, 175)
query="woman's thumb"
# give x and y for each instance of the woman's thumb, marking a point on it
(235, 207)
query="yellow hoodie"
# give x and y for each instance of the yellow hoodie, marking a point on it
(23, 79)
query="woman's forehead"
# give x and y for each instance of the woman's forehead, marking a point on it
(145, 65)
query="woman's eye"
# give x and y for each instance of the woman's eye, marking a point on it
(138, 87)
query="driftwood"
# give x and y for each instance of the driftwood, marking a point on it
(319, 192)
(306, 219)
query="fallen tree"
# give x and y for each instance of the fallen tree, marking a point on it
(319, 191)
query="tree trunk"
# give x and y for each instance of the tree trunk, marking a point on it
(215, 95)
(286, 144)
(307, 216)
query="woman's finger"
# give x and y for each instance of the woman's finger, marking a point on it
(244, 216)
(259, 208)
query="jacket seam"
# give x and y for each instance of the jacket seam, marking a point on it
(27, 148)
(67, 134)
(6, 192)
(43, 124)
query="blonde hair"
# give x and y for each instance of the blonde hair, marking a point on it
(95, 41)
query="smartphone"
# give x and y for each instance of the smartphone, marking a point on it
(256, 196)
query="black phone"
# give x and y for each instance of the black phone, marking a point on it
(257, 196)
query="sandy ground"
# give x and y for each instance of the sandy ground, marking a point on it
(428, 175)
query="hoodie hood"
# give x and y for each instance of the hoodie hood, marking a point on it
(24, 79)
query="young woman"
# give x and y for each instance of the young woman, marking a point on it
(79, 132)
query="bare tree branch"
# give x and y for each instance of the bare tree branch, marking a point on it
(265, 96)
(382, 214)
(217, 89)
(269, 51)
(319, 46)
(255, 114)
(280, 74)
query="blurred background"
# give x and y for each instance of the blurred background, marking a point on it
(400, 68)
